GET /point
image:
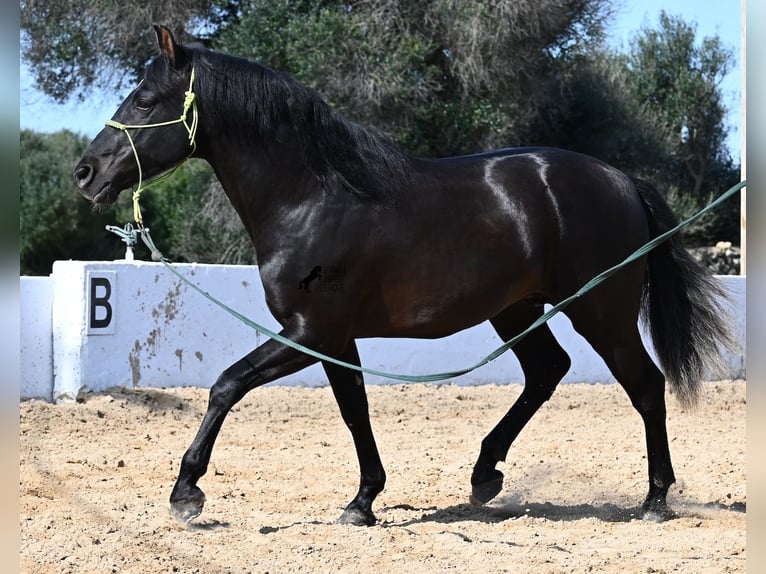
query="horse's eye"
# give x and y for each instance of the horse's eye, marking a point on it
(143, 105)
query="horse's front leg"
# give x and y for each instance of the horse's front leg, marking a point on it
(348, 388)
(268, 362)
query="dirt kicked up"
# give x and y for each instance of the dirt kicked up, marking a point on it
(96, 476)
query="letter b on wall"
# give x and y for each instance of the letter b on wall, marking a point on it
(100, 298)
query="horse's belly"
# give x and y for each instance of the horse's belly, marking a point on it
(441, 308)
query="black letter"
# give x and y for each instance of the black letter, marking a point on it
(100, 302)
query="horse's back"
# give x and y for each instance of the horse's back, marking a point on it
(569, 215)
(545, 188)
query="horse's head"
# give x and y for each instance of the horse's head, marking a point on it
(151, 132)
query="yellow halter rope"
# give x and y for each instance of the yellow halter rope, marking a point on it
(189, 102)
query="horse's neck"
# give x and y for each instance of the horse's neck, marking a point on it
(261, 185)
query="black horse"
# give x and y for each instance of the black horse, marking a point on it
(428, 247)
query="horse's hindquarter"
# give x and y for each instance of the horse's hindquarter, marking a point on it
(476, 234)
(601, 216)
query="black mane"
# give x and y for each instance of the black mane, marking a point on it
(252, 101)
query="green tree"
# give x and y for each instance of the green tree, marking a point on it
(72, 47)
(55, 221)
(677, 81)
(599, 115)
(439, 77)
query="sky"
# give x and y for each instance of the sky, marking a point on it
(722, 17)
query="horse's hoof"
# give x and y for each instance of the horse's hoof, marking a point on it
(656, 509)
(485, 491)
(184, 511)
(357, 517)
(658, 513)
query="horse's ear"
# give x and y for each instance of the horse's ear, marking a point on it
(172, 51)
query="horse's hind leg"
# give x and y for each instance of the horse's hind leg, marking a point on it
(616, 337)
(348, 388)
(544, 363)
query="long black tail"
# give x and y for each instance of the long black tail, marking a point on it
(683, 305)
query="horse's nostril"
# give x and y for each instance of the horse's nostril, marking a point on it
(83, 174)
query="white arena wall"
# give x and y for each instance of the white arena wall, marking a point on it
(94, 325)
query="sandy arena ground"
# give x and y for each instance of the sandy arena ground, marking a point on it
(96, 476)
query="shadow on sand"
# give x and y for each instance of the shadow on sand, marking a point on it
(508, 508)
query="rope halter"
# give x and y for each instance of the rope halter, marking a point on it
(190, 102)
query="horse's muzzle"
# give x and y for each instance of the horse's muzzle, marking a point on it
(93, 188)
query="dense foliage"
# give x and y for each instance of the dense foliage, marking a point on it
(55, 222)
(438, 77)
